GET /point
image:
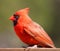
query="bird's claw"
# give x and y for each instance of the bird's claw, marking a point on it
(28, 48)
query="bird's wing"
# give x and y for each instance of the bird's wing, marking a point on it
(38, 33)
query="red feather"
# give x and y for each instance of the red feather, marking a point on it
(29, 31)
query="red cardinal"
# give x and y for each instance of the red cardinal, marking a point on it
(29, 31)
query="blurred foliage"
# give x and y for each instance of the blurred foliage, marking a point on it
(44, 12)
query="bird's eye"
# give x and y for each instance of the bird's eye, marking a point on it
(16, 16)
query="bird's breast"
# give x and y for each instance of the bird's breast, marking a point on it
(24, 36)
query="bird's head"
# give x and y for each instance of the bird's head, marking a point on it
(18, 14)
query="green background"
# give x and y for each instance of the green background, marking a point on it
(44, 12)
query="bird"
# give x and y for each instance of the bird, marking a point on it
(29, 31)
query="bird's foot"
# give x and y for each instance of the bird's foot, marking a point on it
(28, 48)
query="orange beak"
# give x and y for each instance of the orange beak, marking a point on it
(12, 18)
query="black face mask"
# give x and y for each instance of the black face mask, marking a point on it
(16, 18)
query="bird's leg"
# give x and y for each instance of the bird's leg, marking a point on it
(28, 48)
(35, 46)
